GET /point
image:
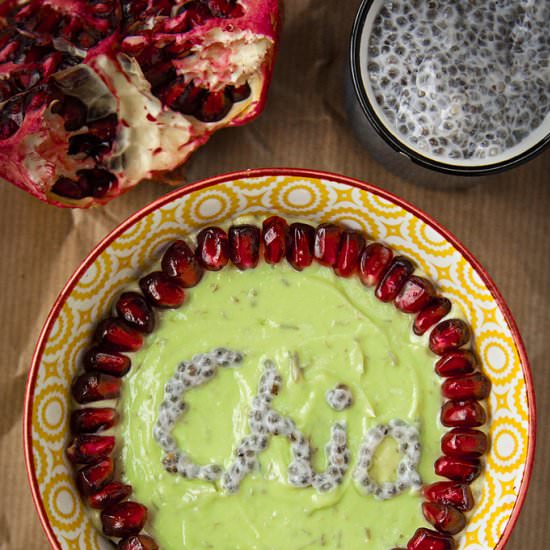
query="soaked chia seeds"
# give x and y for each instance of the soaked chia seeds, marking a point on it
(462, 82)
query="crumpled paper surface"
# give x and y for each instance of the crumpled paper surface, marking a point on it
(505, 223)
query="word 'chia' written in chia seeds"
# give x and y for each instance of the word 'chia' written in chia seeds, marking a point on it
(265, 422)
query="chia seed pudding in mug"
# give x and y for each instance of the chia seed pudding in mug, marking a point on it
(462, 87)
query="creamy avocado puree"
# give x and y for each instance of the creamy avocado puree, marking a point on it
(320, 331)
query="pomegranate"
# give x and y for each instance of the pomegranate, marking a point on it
(426, 539)
(351, 246)
(179, 261)
(137, 542)
(244, 246)
(274, 238)
(327, 243)
(90, 420)
(123, 519)
(86, 449)
(394, 279)
(458, 469)
(110, 494)
(300, 245)
(446, 519)
(161, 290)
(106, 361)
(373, 263)
(96, 96)
(464, 443)
(455, 494)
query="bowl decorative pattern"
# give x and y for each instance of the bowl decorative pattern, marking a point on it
(311, 196)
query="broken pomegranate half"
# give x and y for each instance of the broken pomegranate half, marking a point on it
(96, 96)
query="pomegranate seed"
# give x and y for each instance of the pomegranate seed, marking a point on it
(444, 518)
(221, 8)
(87, 449)
(100, 181)
(91, 479)
(93, 386)
(300, 245)
(106, 361)
(431, 314)
(274, 238)
(415, 295)
(456, 494)
(455, 363)
(137, 542)
(393, 280)
(373, 263)
(190, 100)
(327, 243)
(73, 111)
(134, 309)
(161, 290)
(426, 539)
(110, 494)
(91, 420)
(351, 246)
(123, 519)
(463, 442)
(66, 187)
(214, 107)
(212, 248)
(449, 335)
(244, 246)
(8, 128)
(239, 93)
(180, 262)
(458, 469)
(104, 128)
(472, 386)
(118, 335)
(463, 414)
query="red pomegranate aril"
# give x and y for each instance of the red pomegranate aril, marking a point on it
(87, 449)
(87, 145)
(134, 309)
(463, 414)
(327, 243)
(220, 8)
(91, 479)
(214, 107)
(123, 519)
(104, 128)
(445, 518)
(456, 363)
(180, 262)
(90, 420)
(244, 246)
(373, 263)
(162, 291)
(464, 443)
(274, 238)
(472, 386)
(95, 386)
(426, 539)
(212, 248)
(393, 280)
(301, 238)
(110, 494)
(239, 93)
(106, 361)
(431, 315)
(69, 188)
(449, 335)
(190, 100)
(351, 246)
(456, 494)
(137, 542)
(101, 182)
(118, 335)
(464, 470)
(415, 295)
(73, 111)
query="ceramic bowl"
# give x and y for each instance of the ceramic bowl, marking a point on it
(312, 196)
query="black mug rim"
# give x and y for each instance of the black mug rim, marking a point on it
(400, 146)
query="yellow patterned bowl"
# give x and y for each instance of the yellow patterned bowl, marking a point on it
(311, 196)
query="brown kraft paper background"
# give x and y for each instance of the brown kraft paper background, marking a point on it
(505, 223)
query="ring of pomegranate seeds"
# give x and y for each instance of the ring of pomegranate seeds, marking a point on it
(348, 254)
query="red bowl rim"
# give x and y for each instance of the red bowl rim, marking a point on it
(257, 173)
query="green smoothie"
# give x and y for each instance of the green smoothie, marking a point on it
(320, 331)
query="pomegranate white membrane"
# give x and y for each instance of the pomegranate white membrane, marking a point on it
(466, 84)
